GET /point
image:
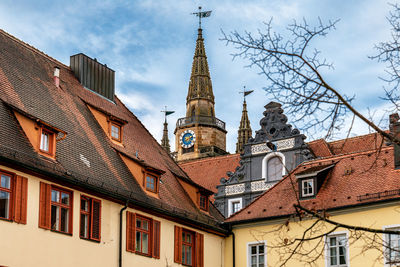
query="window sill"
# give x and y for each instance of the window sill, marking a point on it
(90, 240)
(63, 233)
(5, 219)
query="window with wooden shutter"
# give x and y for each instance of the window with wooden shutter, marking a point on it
(199, 254)
(156, 239)
(143, 235)
(178, 245)
(188, 247)
(130, 231)
(96, 220)
(13, 197)
(20, 199)
(55, 208)
(90, 218)
(44, 206)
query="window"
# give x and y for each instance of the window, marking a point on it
(47, 141)
(151, 183)
(392, 247)
(61, 205)
(115, 131)
(90, 218)
(13, 197)
(5, 196)
(189, 247)
(203, 201)
(307, 187)
(234, 205)
(337, 250)
(55, 209)
(256, 255)
(142, 235)
(274, 169)
(272, 166)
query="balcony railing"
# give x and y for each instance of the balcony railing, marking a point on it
(205, 120)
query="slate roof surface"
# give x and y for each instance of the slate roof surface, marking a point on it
(26, 84)
(209, 171)
(355, 174)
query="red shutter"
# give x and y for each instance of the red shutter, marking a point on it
(95, 232)
(156, 239)
(45, 206)
(199, 250)
(130, 231)
(178, 245)
(20, 199)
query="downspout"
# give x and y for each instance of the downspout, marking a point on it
(121, 212)
(233, 249)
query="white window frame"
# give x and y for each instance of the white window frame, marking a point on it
(230, 201)
(327, 251)
(264, 164)
(304, 182)
(385, 239)
(249, 244)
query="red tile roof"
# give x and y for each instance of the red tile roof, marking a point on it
(354, 179)
(209, 171)
(26, 84)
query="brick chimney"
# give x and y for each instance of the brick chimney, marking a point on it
(394, 126)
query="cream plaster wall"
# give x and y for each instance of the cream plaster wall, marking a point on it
(28, 245)
(374, 217)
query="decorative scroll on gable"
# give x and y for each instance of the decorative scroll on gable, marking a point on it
(274, 125)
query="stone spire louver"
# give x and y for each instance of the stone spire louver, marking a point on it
(244, 132)
(165, 140)
(200, 97)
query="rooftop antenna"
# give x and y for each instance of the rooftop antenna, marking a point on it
(245, 93)
(202, 14)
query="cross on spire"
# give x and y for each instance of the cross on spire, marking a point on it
(202, 14)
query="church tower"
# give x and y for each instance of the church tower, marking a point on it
(244, 132)
(200, 134)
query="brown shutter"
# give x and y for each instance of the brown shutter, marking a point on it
(20, 199)
(95, 232)
(156, 239)
(199, 250)
(178, 245)
(130, 231)
(45, 206)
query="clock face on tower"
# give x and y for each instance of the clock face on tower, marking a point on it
(187, 139)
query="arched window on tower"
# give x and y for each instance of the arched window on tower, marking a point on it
(272, 167)
(193, 113)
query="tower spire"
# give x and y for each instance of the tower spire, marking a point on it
(165, 139)
(244, 132)
(200, 86)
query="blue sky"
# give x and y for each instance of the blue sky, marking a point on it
(150, 45)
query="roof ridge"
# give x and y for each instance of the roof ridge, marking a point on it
(352, 138)
(32, 48)
(207, 159)
(345, 155)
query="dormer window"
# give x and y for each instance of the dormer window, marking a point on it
(307, 188)
(47, 141)
(203, 201)
(151, 183)
(115, 131)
